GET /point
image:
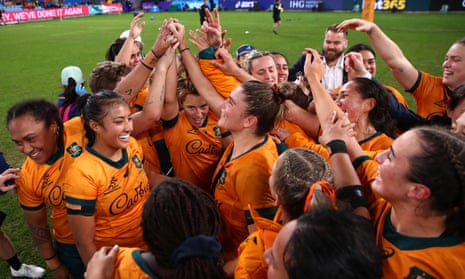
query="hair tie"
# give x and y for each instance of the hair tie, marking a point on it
(280, 98)
(325, 188)
(197, 246)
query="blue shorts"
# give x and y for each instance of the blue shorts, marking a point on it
(69, 256)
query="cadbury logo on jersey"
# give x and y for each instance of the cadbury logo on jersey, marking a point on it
(56, 196)
(196, 146)
(123, 201)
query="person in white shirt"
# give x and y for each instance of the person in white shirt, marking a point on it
(334, 45)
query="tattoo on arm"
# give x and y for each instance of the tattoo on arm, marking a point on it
(40, 235)
(129, 92)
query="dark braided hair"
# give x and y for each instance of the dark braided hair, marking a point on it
(441, 167)
(175, 211)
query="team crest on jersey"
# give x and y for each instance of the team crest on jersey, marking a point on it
(112, 187)
(74, 150)
(137, 161)
(416, 273)
(217, 132)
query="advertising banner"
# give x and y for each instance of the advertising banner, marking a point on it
(43, 14)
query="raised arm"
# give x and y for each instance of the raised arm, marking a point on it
(201, 83)
(130, 86)
(153, 105)
(405, 73)
(124, 55)
(324, 104)
(171, 106)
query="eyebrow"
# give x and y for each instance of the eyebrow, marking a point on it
(392, 151)
(232, 100)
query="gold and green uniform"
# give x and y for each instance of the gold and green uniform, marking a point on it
(113, 192)
(194, 152)
(239, 182)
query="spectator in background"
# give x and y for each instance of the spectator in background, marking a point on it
(212, 5)
(71, 101)
(277, 9)
(202, 12)
(7, 250)
(334, 44)
(241, 53)
(1, 16)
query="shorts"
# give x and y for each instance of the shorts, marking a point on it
(276, 18)
(69, 256)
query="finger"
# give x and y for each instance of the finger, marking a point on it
(11, 170)
(332, 117)
(113, 250)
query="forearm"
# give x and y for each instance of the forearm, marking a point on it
(83, 228)
(324, 103)
(201, 83)
(153, 105)
(124, 55)
(130, 86)
(41, 235)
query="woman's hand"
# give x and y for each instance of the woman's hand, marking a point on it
(102, 263)
(337, 129)
(7, 176)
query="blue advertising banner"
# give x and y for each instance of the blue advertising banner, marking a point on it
(312, 5)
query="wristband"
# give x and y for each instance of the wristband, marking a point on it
(352, 194)
(154, 54)
(146, 66)
(337, 146)
(51, 257)
(184, 49)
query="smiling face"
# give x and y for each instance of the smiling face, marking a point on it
(391, 182)
(334, 45)
(196, 109)
(33, 138)
(264, 69)
(454, 66)
(112, 132)
(282, 67)
(350, 101)
(369, 61)
(136, 56)
(233, 111)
